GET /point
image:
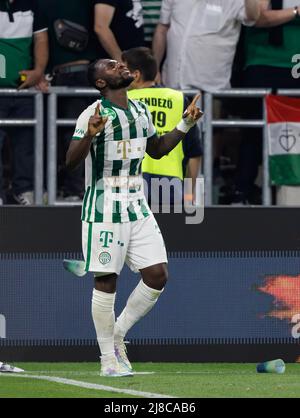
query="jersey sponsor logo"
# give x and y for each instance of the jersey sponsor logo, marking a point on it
(110, 113)
(106, 238)
(128, 149)
(104, 258)
(124, 148)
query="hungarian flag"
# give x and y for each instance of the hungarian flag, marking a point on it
(284, 139)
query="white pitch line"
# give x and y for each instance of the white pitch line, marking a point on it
(95, 374)
(87, 385)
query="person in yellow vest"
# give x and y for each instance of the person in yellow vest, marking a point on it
(167, 107)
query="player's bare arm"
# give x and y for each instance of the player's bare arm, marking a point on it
(78, 150)
(157, 147)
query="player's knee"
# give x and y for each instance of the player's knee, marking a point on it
(156, 277)
(162, 278)
(107, 283)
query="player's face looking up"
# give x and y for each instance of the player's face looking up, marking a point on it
(113, 75)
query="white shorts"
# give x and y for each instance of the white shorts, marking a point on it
(107, 246)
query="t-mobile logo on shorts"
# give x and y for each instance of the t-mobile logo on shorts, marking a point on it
(2, 66)
(106, 238)
(2, 326)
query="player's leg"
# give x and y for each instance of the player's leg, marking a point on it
(142, 299)
(105, 258)
(147, 254)
(103, 305)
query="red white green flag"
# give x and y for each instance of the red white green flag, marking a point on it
(283, 115)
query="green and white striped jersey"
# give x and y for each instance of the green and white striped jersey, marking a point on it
(114, 183)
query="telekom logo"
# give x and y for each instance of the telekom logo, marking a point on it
(2, 326)
(2, 66)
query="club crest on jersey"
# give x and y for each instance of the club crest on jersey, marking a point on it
(104, 258)
(110, 113)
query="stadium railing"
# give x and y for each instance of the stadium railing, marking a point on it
(207, 126)
(38, 124)
(53, 124)
(210, 123)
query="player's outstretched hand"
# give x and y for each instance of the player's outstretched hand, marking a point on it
(96, 123)
(193, 113)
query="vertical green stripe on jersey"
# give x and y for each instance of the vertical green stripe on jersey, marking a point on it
(94, 182)
(89, 247)
(140, 167)
(100, 158)
(131, 121)
(117, 164)
(133, 134)
(86, 196)
(99, 169)
(117, 167)
(144, 208)
(131, 213)
(134, 167)
(145, 108)
(118, 132)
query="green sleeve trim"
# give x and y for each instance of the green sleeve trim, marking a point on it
(76, 138)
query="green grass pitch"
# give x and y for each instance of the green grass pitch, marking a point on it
(169, 379)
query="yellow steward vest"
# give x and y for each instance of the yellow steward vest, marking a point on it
(166, 107)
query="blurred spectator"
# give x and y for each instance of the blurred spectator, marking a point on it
(167, 107)
(200, 40)
(269, 51)
(119, 26)
(24, 53)
(73, 45)
(151, 12)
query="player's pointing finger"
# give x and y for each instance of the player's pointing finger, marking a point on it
(97, 110)
(195, 99)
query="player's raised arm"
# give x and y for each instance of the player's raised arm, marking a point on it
(157, 147)
(79, 149)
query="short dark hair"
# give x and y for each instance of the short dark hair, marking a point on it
(141, 59)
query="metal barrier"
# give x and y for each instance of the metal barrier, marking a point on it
(207, 126)
(38, 124)
(210, 123)
(53, 124)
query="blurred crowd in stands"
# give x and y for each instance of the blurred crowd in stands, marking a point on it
(205, 45)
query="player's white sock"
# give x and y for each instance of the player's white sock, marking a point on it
(139, 303)
(104, 320)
